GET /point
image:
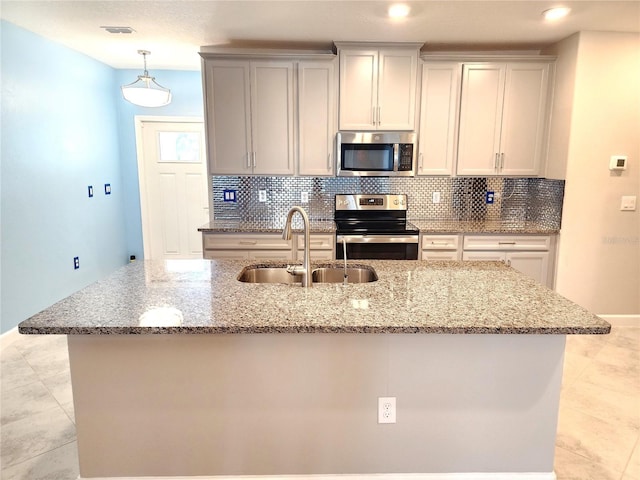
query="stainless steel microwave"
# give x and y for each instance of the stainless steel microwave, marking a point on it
(380, 154)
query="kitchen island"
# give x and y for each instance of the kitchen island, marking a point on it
(178, 369)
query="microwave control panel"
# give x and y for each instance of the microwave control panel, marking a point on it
(405, 160)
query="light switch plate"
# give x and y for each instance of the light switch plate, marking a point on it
(304, 197)
(262, 195)
(435, 197)
(628, 203)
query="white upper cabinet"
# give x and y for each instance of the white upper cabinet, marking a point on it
(378, 87)
(438, 117)
(228, 117)
(316, 117)
(249, 115)
(502, 118)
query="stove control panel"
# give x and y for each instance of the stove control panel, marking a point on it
(371, 202)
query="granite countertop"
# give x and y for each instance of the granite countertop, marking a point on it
(462, 226)
(205, 297)
(266, 226)
(424, 225)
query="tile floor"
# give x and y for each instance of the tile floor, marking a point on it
(598, 432)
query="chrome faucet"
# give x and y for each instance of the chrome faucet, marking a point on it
(305, 269)
(344, 255)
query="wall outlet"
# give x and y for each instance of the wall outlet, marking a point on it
(489, 198)
(435, 197)
(262, 195)
(386, 409)
(304, 197)
(76, 263)
(628, 203)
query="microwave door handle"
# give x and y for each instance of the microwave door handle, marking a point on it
(396, 156)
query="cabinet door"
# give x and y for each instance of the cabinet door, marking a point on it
(272, 117)
(436, 256)
(270, 255)
(358, 89)
(397, 77)
(227, 114)
(484, 256)
(480, 119)
(532, 264)
(316, 118)
(523, 118)
(438, 118)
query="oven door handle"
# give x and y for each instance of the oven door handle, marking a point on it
(378, 238)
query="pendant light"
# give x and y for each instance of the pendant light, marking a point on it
(145, 91)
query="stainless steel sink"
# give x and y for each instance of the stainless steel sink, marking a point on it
(258, 274)
(323, 274)
(336, 275)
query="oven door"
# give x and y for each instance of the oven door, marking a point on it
(377, 247)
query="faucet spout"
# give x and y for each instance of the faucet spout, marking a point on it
(344, 255)
(305, 270)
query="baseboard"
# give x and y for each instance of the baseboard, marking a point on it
(622, 320)
(380, 476)
(7, 338)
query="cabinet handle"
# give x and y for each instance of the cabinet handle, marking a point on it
(501, 161)
(329, 162)
(439, 243)
(379, 116)
(248, 242)
(373, 116)
(495, 163)
(254, 159)
(506, 243)
(248, 159)
(421, 161)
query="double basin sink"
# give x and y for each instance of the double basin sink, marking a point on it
(320, 274)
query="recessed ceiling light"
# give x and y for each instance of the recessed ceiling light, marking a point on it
(556, 13)
(398, 10)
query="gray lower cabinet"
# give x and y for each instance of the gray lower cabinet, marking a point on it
(265, 246)
(529, 254)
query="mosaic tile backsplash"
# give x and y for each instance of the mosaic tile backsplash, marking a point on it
(517, 201)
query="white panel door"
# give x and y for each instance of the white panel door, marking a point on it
(358, 89)
(227, 100)
(272, 117)
(438, 118)
(480, 119)
(316, 118)
(523, 118)
(173, 189)
(532, 264)
(397, 74)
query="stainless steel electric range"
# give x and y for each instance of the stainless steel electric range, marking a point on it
(374, 227)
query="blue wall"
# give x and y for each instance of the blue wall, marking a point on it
(65, 126)
(186, 101)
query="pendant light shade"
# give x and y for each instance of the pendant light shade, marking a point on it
(145, 91)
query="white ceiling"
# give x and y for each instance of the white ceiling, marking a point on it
(174, 30)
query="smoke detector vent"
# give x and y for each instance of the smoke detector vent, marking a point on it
(119, 29)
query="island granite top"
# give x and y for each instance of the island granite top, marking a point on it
(205, 297)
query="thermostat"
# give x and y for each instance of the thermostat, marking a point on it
(618, 162)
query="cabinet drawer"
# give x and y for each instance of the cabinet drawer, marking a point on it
(440, 255)
(225, 254)
(507, 242)
(317, 242)
(440, 242)
(229, 241)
